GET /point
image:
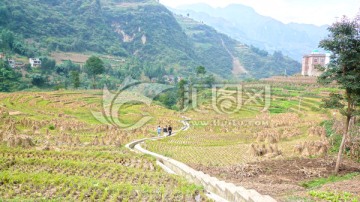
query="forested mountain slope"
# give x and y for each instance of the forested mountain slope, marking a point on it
(141, 30)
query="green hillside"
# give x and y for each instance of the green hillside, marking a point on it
(217, 51)
(136, 30)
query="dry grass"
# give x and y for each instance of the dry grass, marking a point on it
(75, 57)
(52, 148)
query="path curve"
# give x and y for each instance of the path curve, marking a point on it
(218, 190)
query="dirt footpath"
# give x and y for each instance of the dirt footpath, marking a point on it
(281, 178)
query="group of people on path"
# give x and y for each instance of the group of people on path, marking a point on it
(167, 131)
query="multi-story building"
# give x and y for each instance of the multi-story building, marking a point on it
(311, 61)
(35, 62)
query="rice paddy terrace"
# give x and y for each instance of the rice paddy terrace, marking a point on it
(220, 139)
(272, 151)
(52, 148)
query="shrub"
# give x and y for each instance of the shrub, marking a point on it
(52, 127)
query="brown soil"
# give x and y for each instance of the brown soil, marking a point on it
(281, 178)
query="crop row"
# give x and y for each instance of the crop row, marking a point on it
(126, 160)
(206, 155)
(46, 186)
(111, 172)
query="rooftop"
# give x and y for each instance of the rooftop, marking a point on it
(315, 55)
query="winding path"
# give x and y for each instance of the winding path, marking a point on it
(218, 190)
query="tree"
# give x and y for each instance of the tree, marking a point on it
(181, 93)
(209, 80)
(66, 67)
(47, 65)
(38, 79)
(278, 56)
(200, 70)
(150, 72)
(75, 79)
(8, 77)
(7, 39)
(94, 66)
(344, 69)
(258, 51)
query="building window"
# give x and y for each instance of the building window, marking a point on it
(322, 60)
(315, 60)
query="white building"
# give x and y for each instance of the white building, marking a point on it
(35, 62)
(11, 63)
(312, 60)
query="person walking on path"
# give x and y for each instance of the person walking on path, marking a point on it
(165, 130)
(169, 130)
(159, 129)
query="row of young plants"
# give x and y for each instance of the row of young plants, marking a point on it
(44, 186)
(39, 175)
(119, 158)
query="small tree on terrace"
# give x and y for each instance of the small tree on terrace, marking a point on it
(75, 79)
(200, 70)
(181, 94)
(344, 43)
(94, 66)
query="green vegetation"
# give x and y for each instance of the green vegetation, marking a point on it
(261, 66)
(55, 146)
(316, 183)
(8, 77)
(334, 196)
(94, 66)
(334, 137)
(75, 78)
(200, 70)
(143, 34)
(344, 69)
(60, 25)
(14, 42)
(33, 174)
(214, 51)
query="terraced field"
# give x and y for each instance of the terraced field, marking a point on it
(105, 176)
(52, 148)
(65, 118)
(220, 140)
(239, 147)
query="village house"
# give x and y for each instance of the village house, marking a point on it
(169, 78)
(311, 61)
(15, 64)
(11, 63)
(35, 62)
